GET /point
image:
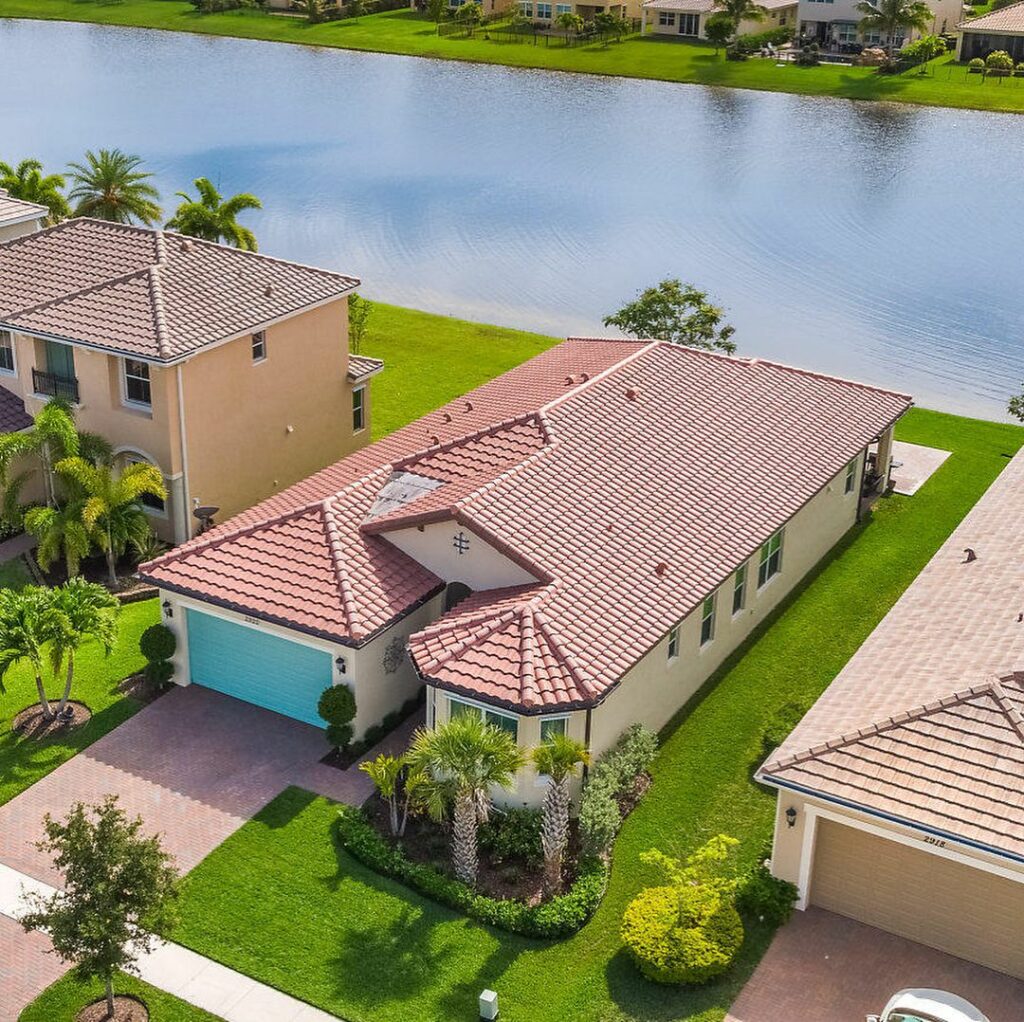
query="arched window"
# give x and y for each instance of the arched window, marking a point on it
(152, 504)
(455, 594)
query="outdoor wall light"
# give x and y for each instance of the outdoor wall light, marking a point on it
(791, 817)
(341, 665)
(168, 609)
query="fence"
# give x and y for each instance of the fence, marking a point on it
(537, 33)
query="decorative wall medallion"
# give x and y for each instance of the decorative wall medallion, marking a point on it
(461, 542)
(394, 655)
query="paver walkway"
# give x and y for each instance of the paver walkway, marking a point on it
(825, 967)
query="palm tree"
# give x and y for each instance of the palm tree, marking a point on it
(60, 531)
(28, 183)
(80, 610)
(108, 504)
(465, 759)
(211, 218)
(558, 759)
(890, 18)
(24, 627)
(111, 186)
(571, 24)
(740, 10)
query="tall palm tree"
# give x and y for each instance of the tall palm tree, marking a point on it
(891, 18)
(24, 628)
(465, 758)
(110, 186)
(108, 504)
(60, 532)
(27, 182)
(740, 10)
(212, 218)
(79, 610)
(558, 759)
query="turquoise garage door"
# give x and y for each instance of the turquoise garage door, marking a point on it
(283, 676)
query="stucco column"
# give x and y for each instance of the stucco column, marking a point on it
(643, 21)
(884, 458)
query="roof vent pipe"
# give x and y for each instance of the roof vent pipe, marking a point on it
(660, 568)
(970, 555)
(632, 394)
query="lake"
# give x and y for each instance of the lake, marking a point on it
(876, 241)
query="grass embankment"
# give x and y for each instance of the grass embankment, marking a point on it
(281, 902)
(666, 58)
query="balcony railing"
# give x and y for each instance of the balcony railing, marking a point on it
(55, 385)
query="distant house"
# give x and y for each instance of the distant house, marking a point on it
(688, 17)
(227, 370)
(837, 22)
(18, 218)
(901, 801)
(574, 546)
(998, 30)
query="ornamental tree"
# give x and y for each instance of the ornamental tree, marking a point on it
(558, 759)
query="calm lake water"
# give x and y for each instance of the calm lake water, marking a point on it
(876, 241)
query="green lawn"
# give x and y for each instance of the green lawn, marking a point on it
(666, 58)
(280, 902)
(62, 1001)
(23, 762)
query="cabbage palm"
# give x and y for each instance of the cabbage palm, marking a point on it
(111, 186)
(212, 218)
(27, 182)
(79, 610)
(52, 437)
(108, 504)
(558, 759)
(60, 532)
(890, 18)
(25, 617)
(740, 10)
(465, 758)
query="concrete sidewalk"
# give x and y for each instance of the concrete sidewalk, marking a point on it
(183, 973)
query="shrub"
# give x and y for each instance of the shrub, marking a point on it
(559, 917)
(157, 642)
(999, 60)
(809, 55)
(635, 752)
(754, 41)
(513, 834)
(1020, 68)
(779, 725)
(159, 672)
(976, 64)
(337, 706)
(928, 47)
(763, 896)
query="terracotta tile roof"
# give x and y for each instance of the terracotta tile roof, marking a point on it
(629, 478)
(686, 6)
(1006, 19)
(155, 294)
(361, 367)
(13, 416)
(17, 211)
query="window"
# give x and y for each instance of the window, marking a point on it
(563, 8)
(6, 351)
(259, 345)
(846, 32)
(358, 409)
(673, 643)
(502, 721)
(739, 589)
(550, 727)
(544, 11)
(851, 476)
(137, 389)
(666, 18)
(707, 620)
(771, 559)
(147, 500)
(689, 24)
(526, 9)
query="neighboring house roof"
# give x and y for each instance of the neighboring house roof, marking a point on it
(13, 416)
(922, 688)
(153, 294)
(629, 478)
(17, 211)
(704, 6)
(1008, 20)
(361, 368)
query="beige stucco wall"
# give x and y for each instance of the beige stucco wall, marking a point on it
(8, 232)
(779, 18)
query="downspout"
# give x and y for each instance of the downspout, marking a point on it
(183, 438)
(860, 489)
(586, 742)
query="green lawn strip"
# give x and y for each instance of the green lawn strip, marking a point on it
(664, 58)
(22, 761)
(14, 574)
(431, 360)
(281, 903)
(63, 1000)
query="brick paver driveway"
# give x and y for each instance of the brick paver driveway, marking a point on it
(195, 765)
(830, 969)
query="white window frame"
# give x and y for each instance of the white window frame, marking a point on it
(483, 710)
(137, 459)
(851, 477)
(7, 338)
(563, 9)
(764, 559)
(673, 643)
(708, 614)
(667, 18)
(739, 588)
(554, 718)
(361, 391)
(543, 5)
(130, 401)
(259, 340)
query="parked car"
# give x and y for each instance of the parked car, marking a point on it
(927, 1006)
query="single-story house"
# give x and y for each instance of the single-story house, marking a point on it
(18, 217)
(688, 17)
(572, 547)
(837, 22)
(997, 30)
(900, 795)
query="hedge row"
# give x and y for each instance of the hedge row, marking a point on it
(561, 916)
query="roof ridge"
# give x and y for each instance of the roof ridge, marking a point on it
(71, 295)
(156, 292)
(571, 664)
(591, 381)
(1014, 715)
(500, 618)
(528, 692)
(344, 586)
(450, 445)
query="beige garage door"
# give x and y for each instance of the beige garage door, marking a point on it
(925, 897)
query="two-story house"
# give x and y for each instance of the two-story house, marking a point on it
(228, 370)
(837, 22)
(576, 545)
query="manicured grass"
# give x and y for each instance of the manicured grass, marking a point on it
(23, 761)
(62, 1001)
(14, 574)
(666, 58)
(280, 902)
(433, 359)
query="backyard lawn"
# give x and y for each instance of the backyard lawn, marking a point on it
(23, 762)
(280, 902)
(669, 59)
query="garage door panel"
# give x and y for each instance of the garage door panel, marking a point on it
(278, 674)
(915, 894)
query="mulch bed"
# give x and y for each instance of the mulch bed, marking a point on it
(31, 724)
(126, 1009)
(141, 689)
(94, 569)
